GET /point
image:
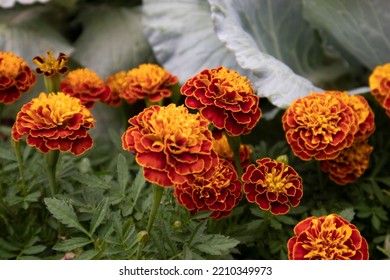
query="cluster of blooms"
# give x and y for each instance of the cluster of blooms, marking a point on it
(329, 127)
(379, 82)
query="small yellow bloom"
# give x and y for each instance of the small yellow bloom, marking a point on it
(51, 66)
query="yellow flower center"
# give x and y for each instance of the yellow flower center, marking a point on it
(57, 109)
(275, 181)
(10, 65)
(51, 65)
(326, 241)
(147, 76)
(231, 82)
(217, 182)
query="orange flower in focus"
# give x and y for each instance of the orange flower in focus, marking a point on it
(379, 82)
(170, 144)
(222, 148)
(85, 85)
(319, 126)
(51, 66)
(273, 185)
(350, 164)
(147, 81)
(55, 122)
(224, 98)
(116, 83)
(219, 192)
(327, 238)
(15, 77)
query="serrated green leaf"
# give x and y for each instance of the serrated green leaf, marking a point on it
(216, 244)
(137, 186)
(71, 244)
(7, 154)
(87, 255)
(286, 220)
(348, 214)
(63, 212)
(4, 244)
(381, 213)
(34, 250)
(123, 172)
(376, 223)
(275, 224)
(384, 180)
(99, 215)
(92, 181)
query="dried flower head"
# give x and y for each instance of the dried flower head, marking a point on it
(272, 185)
(148, 81)
(327, 238)
(379, 82)
(319, 126)
(55, 122)
(15, 77)
(170, 144)
(51, 66)
(350, 164)
(85, 85)
(225, 98)
(218, 193)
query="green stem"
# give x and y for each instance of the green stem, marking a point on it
(157, 195)
(234, 143)
(19, 158)
(1, 109)
(51, 160)
(52, 83)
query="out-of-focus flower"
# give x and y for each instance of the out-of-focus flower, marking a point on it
(15, 77)
(148, 81)
(170, 144)
(116, 83)
(327, 238)
(85, 85)
(224, 98)
(319, 126)
(379, 82)
(51, 66)
(350, 164)
(272, 185)
(221, 146)
(218, 193)
(55, 122)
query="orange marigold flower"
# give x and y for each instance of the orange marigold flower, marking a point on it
(116, 83)
(86, 85)
(148, 81)
(55, 122)
(218, 193)
(222, 148)
(319, 126)
(379, 82)
(273, 185)
(224, 98)
(15, 77)
(350, 164)
(51, 66)
(327, 238)
(170, 144)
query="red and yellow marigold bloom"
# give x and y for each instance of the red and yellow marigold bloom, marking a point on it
(319, 126)
(350, 164)
(85, 85)
(222, 148)
(274, 186)
(15, 77)
(116, 83)
(148, 81)
(379, 82)
(51, 66)
(327, 238)
(55, 122)
(225, 98)
(170, 144)
(218, 193)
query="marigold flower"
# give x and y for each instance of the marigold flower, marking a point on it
(350, 164)
(51, 66)
(222, 148)
(319, 126)
(218, 193)
(379, 82)
(327, 238)
(148, 81)
(170, 144)
(224, 98)
(116, 83)
(86, 85)
(55, 122)
(273, 185)
(15, 77)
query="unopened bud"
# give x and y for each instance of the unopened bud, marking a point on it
(282, 158)
(142, 236)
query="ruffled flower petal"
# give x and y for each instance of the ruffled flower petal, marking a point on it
(379, 82)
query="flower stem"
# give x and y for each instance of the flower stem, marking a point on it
(157, 195)
(234, 143)
(51, 166)
(1, 109)
(52, 83)
(19, 158)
